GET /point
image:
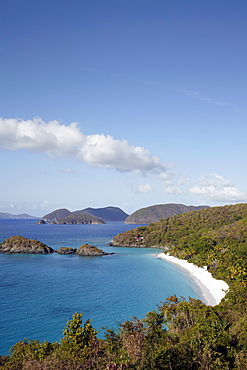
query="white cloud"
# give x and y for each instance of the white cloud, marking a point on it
(168, 175)
(56, 139)
(52, 138)
(144, 189)
(105, 151)
(216, 187)
(175, 188)
(172, 183)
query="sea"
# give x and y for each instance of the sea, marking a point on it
(39, 293)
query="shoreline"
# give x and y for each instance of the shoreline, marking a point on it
(213, 290)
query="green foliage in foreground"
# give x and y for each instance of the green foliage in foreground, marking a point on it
(180, 334)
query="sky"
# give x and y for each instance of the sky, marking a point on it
(125, 103)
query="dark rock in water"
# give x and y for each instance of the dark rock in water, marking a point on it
(66, 250)
(90, 250)
(19, 244)
(41, 222)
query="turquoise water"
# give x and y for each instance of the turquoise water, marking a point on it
(39, 293)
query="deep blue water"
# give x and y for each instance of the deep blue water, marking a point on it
(39, 293)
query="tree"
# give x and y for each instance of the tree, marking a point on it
(76, 335)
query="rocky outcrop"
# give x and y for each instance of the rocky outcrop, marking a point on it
(41, 222)
(66, 250)
(19, 244)
(90, 250)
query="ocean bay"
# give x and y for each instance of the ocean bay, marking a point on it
(40, 292)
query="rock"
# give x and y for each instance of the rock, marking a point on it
(66, 250)
(19, 244)
(41, 222)
(90, 250)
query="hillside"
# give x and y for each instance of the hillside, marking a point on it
(55, 215)
(105, 214)
(157, 212)
(207, 237)
(75, 219)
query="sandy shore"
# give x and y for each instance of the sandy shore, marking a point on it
(213, 290)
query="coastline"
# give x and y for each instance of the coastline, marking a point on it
(213, 290)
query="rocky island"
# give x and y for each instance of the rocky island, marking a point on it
(73, 219)
(66, 250)
(90, 250)
(79, 220)
(19, 244)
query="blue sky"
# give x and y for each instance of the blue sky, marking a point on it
(122, 103)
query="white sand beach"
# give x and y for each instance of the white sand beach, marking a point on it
(213, 290)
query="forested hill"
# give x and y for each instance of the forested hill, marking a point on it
(207, 237)
(155, 213)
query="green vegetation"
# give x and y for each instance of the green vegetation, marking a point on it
(20, 244)
(180, 334)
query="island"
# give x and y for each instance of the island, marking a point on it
(19, 244)
(74, 219)
(90, 250)
(84, 216)
(66, 250)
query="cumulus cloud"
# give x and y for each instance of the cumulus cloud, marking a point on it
(144, 189)
(105, 151)
(171, 187)
(52, 138)
(56, 139)
(216, 187)
(172, 183)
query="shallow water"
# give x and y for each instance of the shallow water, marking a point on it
(39, 293)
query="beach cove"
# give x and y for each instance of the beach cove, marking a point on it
(213, 290)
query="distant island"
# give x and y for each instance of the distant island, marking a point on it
(22, 215)
(160, 211)
(89, 215)
(84, 216)
(74, 219)
(21, 245)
